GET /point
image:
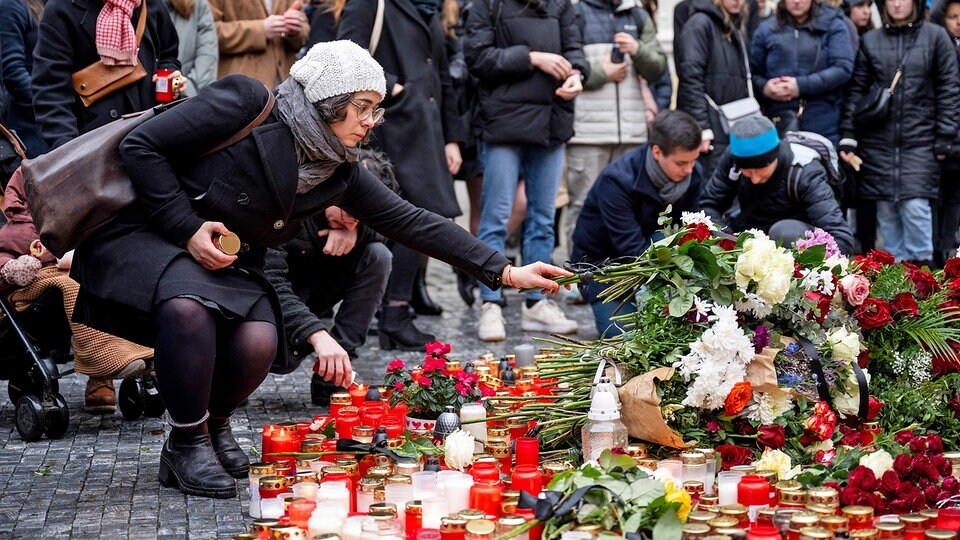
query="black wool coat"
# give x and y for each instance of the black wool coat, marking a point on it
(66, 44)
(422, 118)
(251, 188)
(518, 102)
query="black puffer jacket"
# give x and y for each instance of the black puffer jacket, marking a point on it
(811, 199)
(899, 160)
(518, 103)
(711, 65)
(938, 15)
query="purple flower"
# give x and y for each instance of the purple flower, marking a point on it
(817, 237)
(761, 338)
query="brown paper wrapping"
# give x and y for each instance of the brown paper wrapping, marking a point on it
(641, 409)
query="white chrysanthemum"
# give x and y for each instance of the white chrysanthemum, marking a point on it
(848, 403)
(844, 344)
(754, 304)
(692, 218)
(701, 307)
(718, 359)
(817, 280)
(838, 261)
(769, 266)
(766, 408)
(879, 462)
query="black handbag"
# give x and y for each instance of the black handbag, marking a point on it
(874, 106)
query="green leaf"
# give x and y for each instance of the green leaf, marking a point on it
(633, 522)
(680, 305)
(812, 256)
(704, 261)
(668, 527)
(663, 256)
(684, 263)
(722, 295)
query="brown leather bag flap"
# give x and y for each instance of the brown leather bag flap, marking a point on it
(96, 76)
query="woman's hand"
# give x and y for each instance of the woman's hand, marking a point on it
(552, 64)
(570, 88)
(339, 241)
(333, 363)
(534, 276)
(454, 159)
(201, 247)
(626, 43)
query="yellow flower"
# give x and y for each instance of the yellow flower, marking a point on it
(681, 496)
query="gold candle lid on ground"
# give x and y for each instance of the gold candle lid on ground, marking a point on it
(262, 469)
(700, 516)
(833, 523)
(939, 534)
(815, 533)
(273, 482)
(889, 529)
(723, 522)
(397, 479)
(383, 507)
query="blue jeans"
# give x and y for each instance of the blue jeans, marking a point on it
(502, 166)
(906, 227)
(603, 311)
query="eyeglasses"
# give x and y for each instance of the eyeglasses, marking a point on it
(365, 111)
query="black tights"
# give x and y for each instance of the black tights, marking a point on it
(207, 363)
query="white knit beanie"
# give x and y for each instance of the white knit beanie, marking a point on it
(338, 67)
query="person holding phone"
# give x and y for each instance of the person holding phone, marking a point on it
(611, 115)
(260, 38)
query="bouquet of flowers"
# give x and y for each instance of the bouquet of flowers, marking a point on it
(428, 388)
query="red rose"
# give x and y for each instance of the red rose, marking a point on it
(874, 406)
(726, 244)
(863, 359)
(849, 494)
(899, 506)
(398, 386)
(873, 313)
(738, 398)
(825, 457)
(950, 484)
(904, 305)
(951, 270)
(889, 483)
(771, 436)
(866, 264)
(881, 257)
(931, 494)
(823, 305)
(924, 282)
(862, 478)
(934, 444)
(902, 464)
(696, 232)
(732, 455)
(954, 405)
(917, 445)
(904, 437)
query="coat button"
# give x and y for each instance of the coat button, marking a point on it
(432, 99)
(429, 60)
(114, 113)
(243, 199)
(244, 247)
(278, 224)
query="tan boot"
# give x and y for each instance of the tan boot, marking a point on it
(100, 397)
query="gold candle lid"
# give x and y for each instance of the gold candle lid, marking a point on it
(262, 469)
(914, 521)
(481, 527)
(273, 482)
(397, 479)
(889, 529)
(227, 243)
(823, 495)
(497, 432)
(939, 534)
(930, 513)
(815, 533)
(311, 446)
(341, 398)
(380, 470)
(788, 485)
(803, 519)
(723, 522)
(407, 468)
(692, 458)
(700, 516)
(369, 483)
(453, 524)
(833, 523)
(384, 507)
(700, 529)
(822, 509)
(512, 520)
(858, 514)
(772, 477)
(471, 514)
(864, 534)
(733, 510)
(305, 476)
(332, 469)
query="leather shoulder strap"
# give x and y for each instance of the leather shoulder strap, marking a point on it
(142, 23)
(377, 28)
(245, 131)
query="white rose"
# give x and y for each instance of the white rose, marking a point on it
(458, 450)
(845, 344)
(879, 462)
(848, 403)
(775, 460)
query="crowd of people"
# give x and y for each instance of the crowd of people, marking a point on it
(345, 190)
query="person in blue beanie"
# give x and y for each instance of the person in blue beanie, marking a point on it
(782, 187)
(619, 215)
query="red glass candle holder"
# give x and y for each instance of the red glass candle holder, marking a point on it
(372, 418)
(303, 429)
(527, 451)
(400, 412)
(527, 478)
(267, 433)
(346, 421)
(283, 441)
(393, 426)
(358, 393)
(486, 496)
(300, 510)
(949, 518)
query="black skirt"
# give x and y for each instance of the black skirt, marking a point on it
(230, 291)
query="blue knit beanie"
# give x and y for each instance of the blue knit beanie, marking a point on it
(754, 143)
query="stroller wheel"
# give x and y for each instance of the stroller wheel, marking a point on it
(29, 418)
(23, 384)
(153, 405)
(57, 418)
(131, 398)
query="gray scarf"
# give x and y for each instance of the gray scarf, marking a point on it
(670, 191)
(319, 150)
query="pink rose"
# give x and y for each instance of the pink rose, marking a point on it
(855, 289)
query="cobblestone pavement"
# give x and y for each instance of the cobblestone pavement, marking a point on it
(100, 479)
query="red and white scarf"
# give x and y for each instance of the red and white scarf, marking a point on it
(116, 37)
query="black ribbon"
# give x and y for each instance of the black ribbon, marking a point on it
(823, 388)
(350, 445)
(553, 503)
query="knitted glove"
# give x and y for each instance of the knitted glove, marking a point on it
(20, 271)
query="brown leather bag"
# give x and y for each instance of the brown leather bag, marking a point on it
(75, 189)
(99, 80)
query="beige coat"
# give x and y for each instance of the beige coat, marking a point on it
(244, 47)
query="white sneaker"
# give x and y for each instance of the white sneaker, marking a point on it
(546, 316)
(491, 323)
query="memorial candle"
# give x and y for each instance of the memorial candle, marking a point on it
(358, 394)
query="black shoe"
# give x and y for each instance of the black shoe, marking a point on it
(189, 463)
(466, 284)
(421, 301)
(229, 453)
(321, 390)
(398, 332)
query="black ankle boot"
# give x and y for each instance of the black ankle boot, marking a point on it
(229, 453)
(466, 284)
(189, 463)
(321, 390)
(421, 301)
(398, 332)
